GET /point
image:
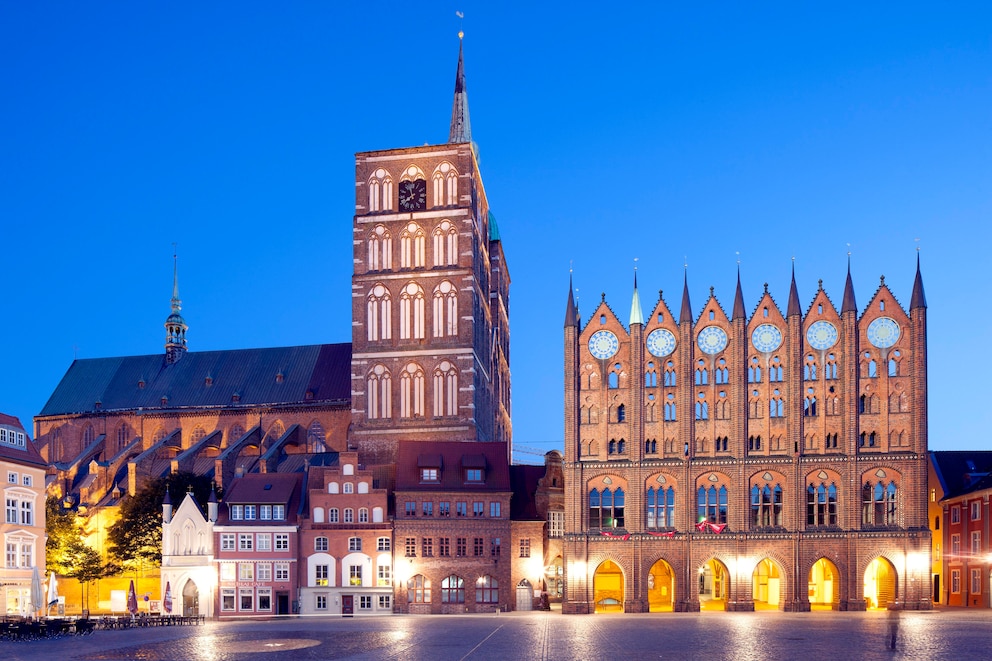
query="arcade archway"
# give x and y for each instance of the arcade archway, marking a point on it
(823, 587)
(661, 588)
(191, 599)
(714, 582)
(607, 585)
(881, 587)
(767, 583)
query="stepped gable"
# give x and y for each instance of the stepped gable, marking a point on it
(203, 379)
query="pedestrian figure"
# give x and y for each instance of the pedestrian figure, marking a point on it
(893, 617)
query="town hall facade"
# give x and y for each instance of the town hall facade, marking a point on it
(757, 461)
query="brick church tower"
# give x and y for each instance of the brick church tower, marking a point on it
(770, 461)
(430, 298)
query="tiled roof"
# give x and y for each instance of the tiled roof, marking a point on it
(962, 472)
(263, 489)
(453, 456)
(280, 375)
(27, 454)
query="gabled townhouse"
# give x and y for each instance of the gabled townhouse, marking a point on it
(256, 545)
(188, 567)
(346, 542)
(22, 529)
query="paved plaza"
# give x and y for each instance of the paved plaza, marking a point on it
(945, 634)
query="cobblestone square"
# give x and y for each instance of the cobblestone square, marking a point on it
(945, 634)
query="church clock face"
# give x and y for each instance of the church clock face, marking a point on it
(661, 342)
(413, 195)
(603, 344)
(711, 340)
(821, 335)
(766, 338)
(883, 332)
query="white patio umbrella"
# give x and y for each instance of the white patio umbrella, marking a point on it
(37, 596)
(53, 591)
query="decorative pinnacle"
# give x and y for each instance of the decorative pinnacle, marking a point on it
(711, 291)
(766, 287)
(819, 283)
(881, 279)
(602, 297)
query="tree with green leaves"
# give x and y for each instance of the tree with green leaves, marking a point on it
(136, 537)
(66, 552)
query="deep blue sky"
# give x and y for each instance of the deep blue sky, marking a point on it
(662, 132)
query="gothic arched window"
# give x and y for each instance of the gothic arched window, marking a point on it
(766, 506)
(315, 436)
(445, 244)
(379, 314)
(712, 504)
(380, 249)
(445, 179)
(412, 391)
(412, 247)
(445, 310)
(606, 508)
(445, 390)
(661, 507)
(821, 504)
(412, 312)
(380, 191)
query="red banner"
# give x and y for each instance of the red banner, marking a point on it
(717, 528)
(670, 533)
(624, 537)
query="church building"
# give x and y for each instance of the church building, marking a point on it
(753, 461)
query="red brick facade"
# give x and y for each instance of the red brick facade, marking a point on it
(742, 420)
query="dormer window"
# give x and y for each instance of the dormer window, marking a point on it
(237, 512)
(473, 475)
(428, 475)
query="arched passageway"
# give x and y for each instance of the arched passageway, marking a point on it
(191, 599)
(881, 586)
(661, 588)
(767, 584)
(714, 582)
(823, 587)
(607, 585)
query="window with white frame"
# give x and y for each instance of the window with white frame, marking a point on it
(976, 581)
(365, 602)
(384, 576)
(349, 515)
(321, 573)
(265, 599)
(278, 512)
(354, 543)
(320, 544)
(494, 509)
(264, 541)
(228, 571)
(237, 512)
(11, 559)
(227, 599)
(249, 512)
(27, 554)
(556, 524)
(246, 571)
(245, 542)
(227, 541)
(11, 478)
(976, 511)
(349, 487)
(363, 515)
(320, 602)
(383, 544)
(11, 510)
(385, 601)
(282, 541)
(263, 571)
(27, 513)
(26, 480)
(354, 574)
(282, 571)
(976, 542)
(246, 599)
(332, 515)
(265, 512)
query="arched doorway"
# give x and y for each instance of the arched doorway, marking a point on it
(713, 585)
(823, 587)
(556, 584)
(191, 599)
(525, 596)
(767, 585)
(607, 585)
(661, 587)
(881, 587)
